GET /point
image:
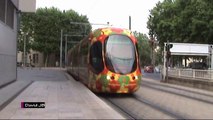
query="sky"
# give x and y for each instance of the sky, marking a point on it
(116, 12)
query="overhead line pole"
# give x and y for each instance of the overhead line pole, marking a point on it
(25, 37)
(61, 48)
(80, 23)
(65, 51)
(164, 62)
(130, 22)
(61, 43)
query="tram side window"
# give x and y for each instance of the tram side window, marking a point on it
(139, 62)
(96, 57)
(83, 53)
(75, 57)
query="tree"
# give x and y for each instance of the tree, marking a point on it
(143, 48)
(47, 31)
(46, 25)
(182, 21)
(26, 31)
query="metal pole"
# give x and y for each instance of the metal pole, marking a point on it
(167, 63)
(81, 23)
(25, 50)
(211, 57)
(65, 58)
(152, 53)
(129, 22)
(61, 49)
(211, 70)
(164, 63)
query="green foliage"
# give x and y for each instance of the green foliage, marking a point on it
(182, 21)
(44, 29)
(143, 48)
(47, 30)
(26, 31)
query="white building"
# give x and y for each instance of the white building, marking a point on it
(9, 21)
(33, 58)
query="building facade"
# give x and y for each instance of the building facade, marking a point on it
(33, 59)
(9, 22)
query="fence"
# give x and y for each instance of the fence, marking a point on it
(205, 75)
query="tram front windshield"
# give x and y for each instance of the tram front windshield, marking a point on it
(120, 54)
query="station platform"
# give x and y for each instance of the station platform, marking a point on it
(64, 97)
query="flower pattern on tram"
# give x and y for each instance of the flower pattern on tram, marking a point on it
(107, 81)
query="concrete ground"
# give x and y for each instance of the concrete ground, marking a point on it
(64, 97)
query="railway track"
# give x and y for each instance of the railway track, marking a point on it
(178, 88)
(158, 107)
(108, 98)
(135, 107)
(149, 102)
(195, 95)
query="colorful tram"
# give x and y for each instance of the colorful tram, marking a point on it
(106, 61)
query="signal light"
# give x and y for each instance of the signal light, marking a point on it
(168, 53)
(168, 47)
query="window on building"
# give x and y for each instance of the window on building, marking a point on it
(10, 14)
(2, 10)
(7, 12)
(35, 58)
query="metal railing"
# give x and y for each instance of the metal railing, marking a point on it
(206, 75)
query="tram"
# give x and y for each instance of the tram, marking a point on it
(106, 61)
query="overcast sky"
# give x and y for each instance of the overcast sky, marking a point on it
(116, 12)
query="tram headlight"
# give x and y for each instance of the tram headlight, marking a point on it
(136, 77)
(108, 77)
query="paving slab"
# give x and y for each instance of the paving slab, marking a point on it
(64, 98)
(10, 91)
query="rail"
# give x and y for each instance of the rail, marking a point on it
(205, 75)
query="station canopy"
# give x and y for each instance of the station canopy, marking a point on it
(190, 49)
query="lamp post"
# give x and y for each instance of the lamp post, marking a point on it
(61, 48)
(65, 56)
(25, 38)
(211, 55)
(130, 23)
